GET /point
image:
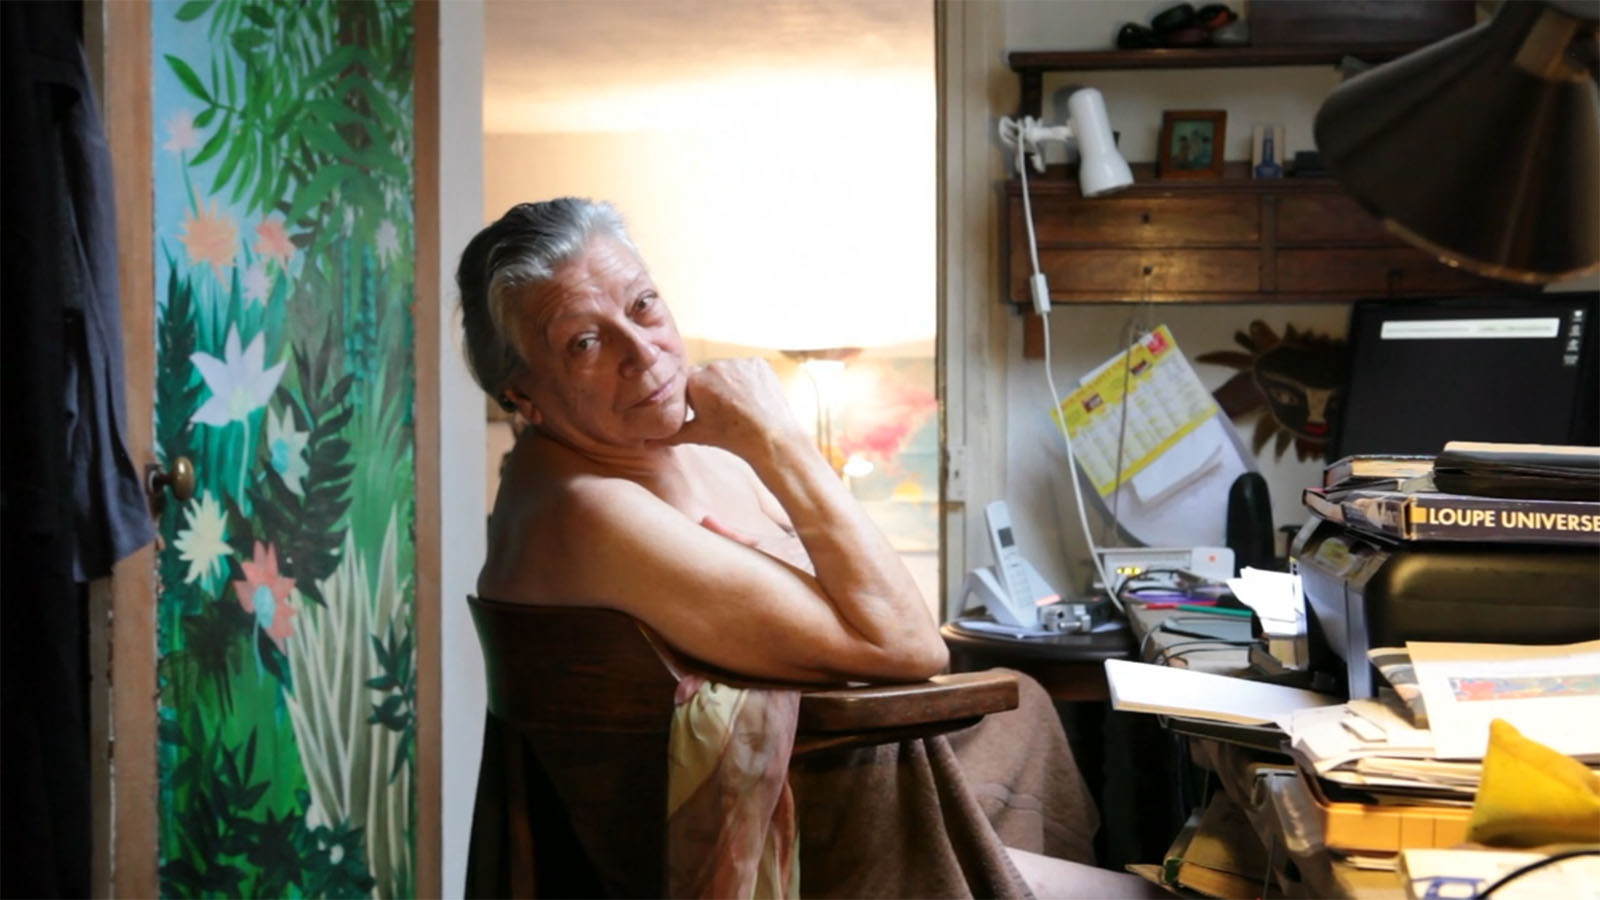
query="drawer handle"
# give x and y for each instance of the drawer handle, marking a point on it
(1144, 218)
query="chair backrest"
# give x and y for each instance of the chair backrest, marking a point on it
(580, 707)
(572, 789)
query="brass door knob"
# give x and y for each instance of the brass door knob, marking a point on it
(179, 480)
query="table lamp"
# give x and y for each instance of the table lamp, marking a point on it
(1484, 148)
(1101, 169)
(825, 369)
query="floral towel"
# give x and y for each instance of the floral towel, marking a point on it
(730, 814)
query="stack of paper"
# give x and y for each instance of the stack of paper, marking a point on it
(1549, 693)
(1367, 745)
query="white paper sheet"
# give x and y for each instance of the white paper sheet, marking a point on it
(1275, 597)
(1550, 694)
(1141, 687)
(1333, 736)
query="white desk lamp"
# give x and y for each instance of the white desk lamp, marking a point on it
(1101, 170)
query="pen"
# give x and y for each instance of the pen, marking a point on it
(1213, 610)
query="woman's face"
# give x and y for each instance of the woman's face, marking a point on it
(606, 367)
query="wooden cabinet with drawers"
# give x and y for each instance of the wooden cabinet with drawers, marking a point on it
(1233, 240)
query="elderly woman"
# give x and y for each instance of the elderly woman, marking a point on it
(691, 498)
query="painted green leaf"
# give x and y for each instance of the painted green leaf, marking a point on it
(328, 141)
(189, 79)
(215, 144)
(192, 10)
(247, 39)
(204, 119)
(317, 190)
(259, 16)
(233, 87)
(230, 162)
(333, 111)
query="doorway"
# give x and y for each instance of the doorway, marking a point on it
(775, 161)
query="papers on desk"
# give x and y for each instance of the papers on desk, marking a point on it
(1366, 744)
(1275, 597)
(1280, 607)
(1551, 694)
(1141, 687)
(1465, 873)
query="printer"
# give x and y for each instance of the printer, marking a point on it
(1363, 592)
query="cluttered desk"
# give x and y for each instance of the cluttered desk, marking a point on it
(1431, 726)
(1367, 718)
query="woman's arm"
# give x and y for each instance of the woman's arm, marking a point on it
(860, 616)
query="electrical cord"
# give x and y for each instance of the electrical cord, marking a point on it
(1041, 302)
(1514, 874)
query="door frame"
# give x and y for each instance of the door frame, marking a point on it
(122, 632)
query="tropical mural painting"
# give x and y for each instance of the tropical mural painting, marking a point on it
(283, 248)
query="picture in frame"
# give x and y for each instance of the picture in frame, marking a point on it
(1192, 142)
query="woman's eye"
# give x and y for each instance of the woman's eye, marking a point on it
(584, 343)
(644, 303)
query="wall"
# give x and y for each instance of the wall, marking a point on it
(462, 536)
(801, 238)
(1036, 486)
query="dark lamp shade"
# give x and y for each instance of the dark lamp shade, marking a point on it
(1483, 149)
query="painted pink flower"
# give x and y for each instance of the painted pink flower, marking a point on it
(264, 593)
(274, 241)
(210, 237)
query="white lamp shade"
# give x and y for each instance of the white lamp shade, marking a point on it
(1101, 169)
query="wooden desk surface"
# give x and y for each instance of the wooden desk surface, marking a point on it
(1070, 666)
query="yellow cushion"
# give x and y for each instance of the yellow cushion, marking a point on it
(1532, 795)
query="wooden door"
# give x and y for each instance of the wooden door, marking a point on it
(267, 678)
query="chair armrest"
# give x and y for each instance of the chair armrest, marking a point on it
(956, 699)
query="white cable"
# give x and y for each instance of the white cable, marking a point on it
(1055, 398)
(1072, 469)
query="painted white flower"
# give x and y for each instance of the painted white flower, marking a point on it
(388, 241)
(239, 385)
(287, 447)
(257, 283)
(201, 545)
(181, 133)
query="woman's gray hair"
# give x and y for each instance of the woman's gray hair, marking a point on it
(521, 249)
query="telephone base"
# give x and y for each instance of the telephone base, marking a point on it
(1022, 612)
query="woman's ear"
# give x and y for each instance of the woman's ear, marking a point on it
(516, 401)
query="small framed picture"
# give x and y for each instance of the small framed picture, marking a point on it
(1191, 143)
(1267, 152)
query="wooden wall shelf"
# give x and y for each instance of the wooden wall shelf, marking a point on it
(1031, 65)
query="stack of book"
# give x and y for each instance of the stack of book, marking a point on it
(1498, 493)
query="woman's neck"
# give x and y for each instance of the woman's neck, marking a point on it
(643, 463)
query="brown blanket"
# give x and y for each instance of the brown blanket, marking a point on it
(932, 818)
(927, 818)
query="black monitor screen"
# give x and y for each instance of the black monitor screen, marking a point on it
(1423, 372)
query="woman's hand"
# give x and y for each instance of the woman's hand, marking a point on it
(738, 406)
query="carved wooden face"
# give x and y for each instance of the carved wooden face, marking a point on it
(1296, 380)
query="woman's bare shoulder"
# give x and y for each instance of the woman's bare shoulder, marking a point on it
(544, 527)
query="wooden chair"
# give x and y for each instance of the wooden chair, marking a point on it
(571, 798)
